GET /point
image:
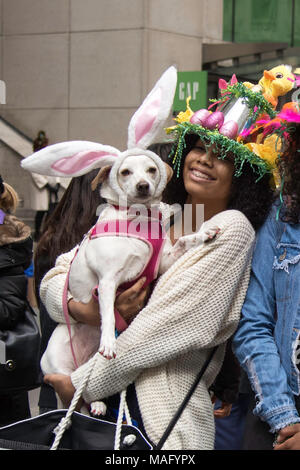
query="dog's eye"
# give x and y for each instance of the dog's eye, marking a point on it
(125, 172)
(152, 170)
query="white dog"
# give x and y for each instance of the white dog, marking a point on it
(109, 260)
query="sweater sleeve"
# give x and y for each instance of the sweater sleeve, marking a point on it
(53, 284)
(196, 304)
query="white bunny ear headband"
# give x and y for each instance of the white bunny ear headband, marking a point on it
(76, 158)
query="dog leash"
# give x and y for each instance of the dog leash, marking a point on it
(65, 299)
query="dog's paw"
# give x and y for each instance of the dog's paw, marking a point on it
(98, 408)
(208, 232)
(108, 348)
(191, 241)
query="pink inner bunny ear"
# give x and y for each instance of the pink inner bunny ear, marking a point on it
(147, 115)
(81, 161)
(222, 84)
(233, 79)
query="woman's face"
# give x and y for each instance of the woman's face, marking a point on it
(207, 178)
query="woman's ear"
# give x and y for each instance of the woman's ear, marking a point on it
(169, 172)
(102, 175)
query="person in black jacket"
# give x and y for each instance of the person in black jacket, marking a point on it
(15, 256)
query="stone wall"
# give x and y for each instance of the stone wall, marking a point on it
(78, 69)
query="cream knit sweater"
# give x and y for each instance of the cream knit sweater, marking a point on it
(195, 305)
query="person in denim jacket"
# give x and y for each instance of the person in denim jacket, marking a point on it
(268, 337)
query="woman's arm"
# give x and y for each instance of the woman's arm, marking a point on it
(254, 342)
(195, 305)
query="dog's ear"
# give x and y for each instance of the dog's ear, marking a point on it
(148, 121)
(169, 172)
(68, 159)
(101, 176)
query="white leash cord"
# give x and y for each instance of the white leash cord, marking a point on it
(123, 408)
(65, 422)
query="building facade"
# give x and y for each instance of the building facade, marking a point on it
(78, 69)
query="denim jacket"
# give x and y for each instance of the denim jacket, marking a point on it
(269, 331)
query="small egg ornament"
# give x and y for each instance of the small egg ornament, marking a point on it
(200, 116)
(215, 120)
(229, 129)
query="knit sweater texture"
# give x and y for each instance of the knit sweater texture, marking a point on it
(195, 305)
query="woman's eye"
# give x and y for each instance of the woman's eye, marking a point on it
(152, 170)
(125, 172)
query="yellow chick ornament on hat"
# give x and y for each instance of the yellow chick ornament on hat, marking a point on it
(275, 82)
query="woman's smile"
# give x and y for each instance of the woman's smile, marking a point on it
(206, 177)
(200, 175)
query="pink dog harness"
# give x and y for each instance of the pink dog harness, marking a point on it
(151, 231)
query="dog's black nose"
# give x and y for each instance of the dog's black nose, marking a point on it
(142, 188)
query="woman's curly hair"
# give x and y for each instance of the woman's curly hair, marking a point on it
(253, 198)
(289, 168)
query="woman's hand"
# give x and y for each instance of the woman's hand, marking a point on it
(224, 410)
(132, 300)
(63, 386)
(128, 304)
(85, 313)
(288, 438)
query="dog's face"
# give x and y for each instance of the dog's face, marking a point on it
(138, 177)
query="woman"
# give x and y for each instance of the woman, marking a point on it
(15, 257)
(267, 339)
(194, 306)
(75, 214)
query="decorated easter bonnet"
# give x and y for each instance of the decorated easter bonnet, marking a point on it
(229, 122)
(76, 158)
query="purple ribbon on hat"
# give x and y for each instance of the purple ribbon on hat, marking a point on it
(2, 216)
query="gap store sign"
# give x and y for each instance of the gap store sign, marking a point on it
(192, 84)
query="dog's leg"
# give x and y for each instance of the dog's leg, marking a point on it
(106, 294)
